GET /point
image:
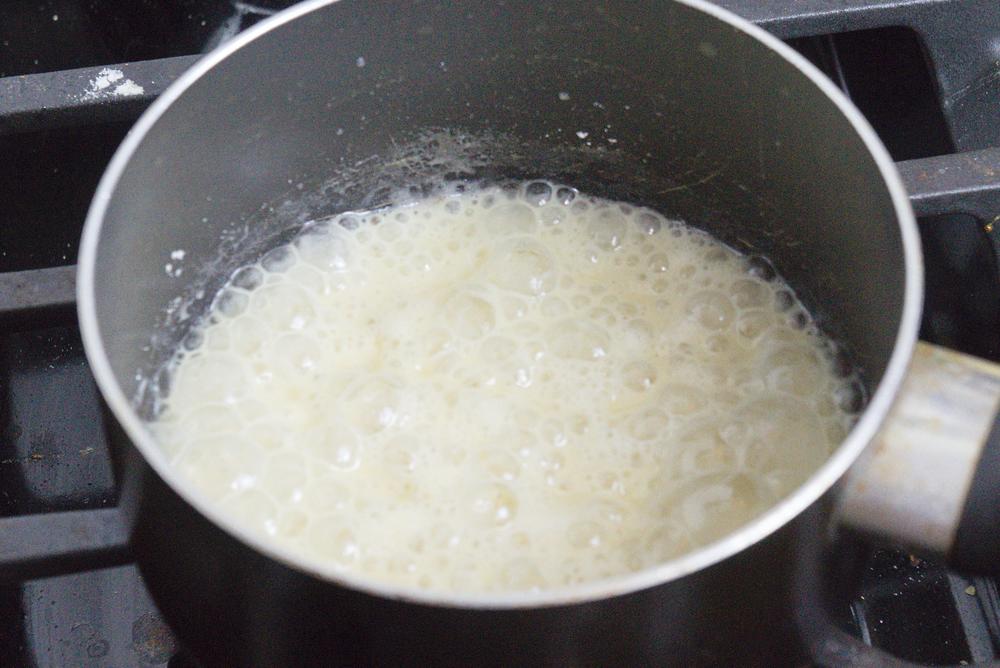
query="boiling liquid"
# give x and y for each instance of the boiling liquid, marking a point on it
(502, 390)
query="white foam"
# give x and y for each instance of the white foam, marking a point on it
(502, 390)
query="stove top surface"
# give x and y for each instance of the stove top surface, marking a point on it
(922, 71)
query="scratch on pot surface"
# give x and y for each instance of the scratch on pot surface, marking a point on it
(694, 184)
(987, 79)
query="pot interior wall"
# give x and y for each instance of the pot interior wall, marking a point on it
(654, 103)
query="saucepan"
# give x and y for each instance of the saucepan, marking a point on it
(677, 105)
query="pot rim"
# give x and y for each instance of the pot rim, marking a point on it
(759, 528)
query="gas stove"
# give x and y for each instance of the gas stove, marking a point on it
(75, 74)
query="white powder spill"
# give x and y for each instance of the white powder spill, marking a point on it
(128, 88)
(101, 86)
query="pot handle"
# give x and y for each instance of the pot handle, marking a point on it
(930, 480)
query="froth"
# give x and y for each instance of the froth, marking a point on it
(503, 389)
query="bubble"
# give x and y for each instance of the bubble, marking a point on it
(500, 464)
(513, 308)
(718, 343)
(498, 349)
(372, 404)
(841, 362)
(295, 354)
(284, 478)
(749, 294)
(553, 307)
(710, 309)
(214, 339)
(649, 223)
(666, 540)
(717, 255)
(330, 538)
(267, 438)
(493, 505)
(851, 397)
(783, 300)
(551, 217)
(702, 499)
(230, 303)
(776, 429)
(639, 376)
(252, 508)
(586, 534)
(525, 266)
(284, 306)
(648, 424)
(247, 278)
(751, 324)
(291, 523)
(658, 263)
(324, 249)
(348, 222)
(215, 472)
(213, 419)
(278, 260)
(566, 195)
(704, 451)
(336, 445)
(219, 375)
(682, 399)
(326, 495)
(796, 371)
(509, 219)
(761, 268)
(798, 319)
(603, 316)
(248, 335)
(400, 454)
(469, 316)
(538, 193)
(579, 339)
(551, 461)
(608, 228)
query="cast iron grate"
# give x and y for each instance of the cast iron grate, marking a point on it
(921, 70)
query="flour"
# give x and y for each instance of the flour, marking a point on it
(107, 85)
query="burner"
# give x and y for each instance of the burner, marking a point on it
(922, 71)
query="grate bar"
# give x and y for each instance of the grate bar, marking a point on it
(37, 295)
(961, 183)
(33, 546)
(85, 96)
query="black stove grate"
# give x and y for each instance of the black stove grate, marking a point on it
(923, 72)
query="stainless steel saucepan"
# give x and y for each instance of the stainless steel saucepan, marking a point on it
(674, 104)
